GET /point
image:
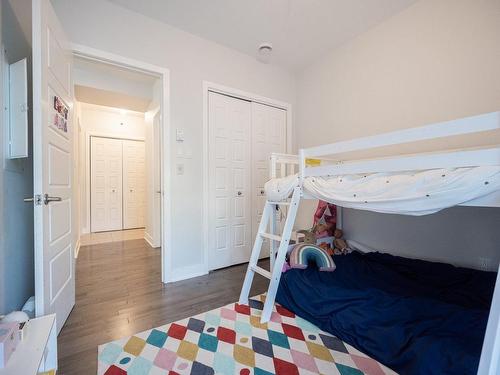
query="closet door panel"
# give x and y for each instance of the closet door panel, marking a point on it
(268, 135)
(134, 184)
(106, 184)
(229, 181)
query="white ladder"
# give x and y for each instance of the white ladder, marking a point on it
(274, 275)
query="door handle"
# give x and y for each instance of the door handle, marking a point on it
(37, 199)
(47, 199)
(262, 192)
(239, 193)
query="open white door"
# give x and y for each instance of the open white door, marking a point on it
(53, 165)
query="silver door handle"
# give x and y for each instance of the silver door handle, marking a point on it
(27, 200)
(47, 199)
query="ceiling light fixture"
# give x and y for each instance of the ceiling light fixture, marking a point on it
(264, 52)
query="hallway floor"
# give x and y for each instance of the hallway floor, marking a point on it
(112, 236)
(119, 292)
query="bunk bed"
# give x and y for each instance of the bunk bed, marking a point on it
(410, 184)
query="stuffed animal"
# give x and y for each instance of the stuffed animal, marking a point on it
(309, 236)
(341, 246)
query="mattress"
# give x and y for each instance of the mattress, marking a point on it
(413, 316)
(409, 193)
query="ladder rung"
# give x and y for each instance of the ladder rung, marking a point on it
(270, 236)
(279, 203)
(261, 271)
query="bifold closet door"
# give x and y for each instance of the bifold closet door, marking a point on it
(105, 184)
(230, 220)
(134, 184)
(268, 135)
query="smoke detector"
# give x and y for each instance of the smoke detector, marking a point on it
(264, 52)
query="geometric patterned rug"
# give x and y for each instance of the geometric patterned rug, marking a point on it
(231, 340)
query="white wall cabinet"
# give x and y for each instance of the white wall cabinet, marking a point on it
(117, 184)
(242, 135)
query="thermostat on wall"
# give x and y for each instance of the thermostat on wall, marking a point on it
(179, 135)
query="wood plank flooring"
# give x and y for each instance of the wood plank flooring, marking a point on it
(119, 292)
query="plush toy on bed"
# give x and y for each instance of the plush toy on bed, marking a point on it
(304, 253)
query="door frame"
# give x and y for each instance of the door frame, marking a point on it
(88, 177)
(165, 142)
(239, 94)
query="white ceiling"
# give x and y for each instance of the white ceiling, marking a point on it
(301, 31)
(113, 99)
(112, 86)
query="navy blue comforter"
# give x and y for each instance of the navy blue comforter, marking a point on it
(415, 317)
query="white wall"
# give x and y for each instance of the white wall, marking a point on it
(190, 60)
(103, 121)
(16, 176)
(437, 60)
(153, 179)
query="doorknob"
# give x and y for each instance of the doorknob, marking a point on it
(47, 199)
(239, 193)
(262, 192)
(27, 200)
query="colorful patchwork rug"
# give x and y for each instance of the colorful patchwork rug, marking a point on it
(231, 340)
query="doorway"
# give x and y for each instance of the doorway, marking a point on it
(57, 163)
(156, 169)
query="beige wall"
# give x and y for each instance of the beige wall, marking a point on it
(437, 60)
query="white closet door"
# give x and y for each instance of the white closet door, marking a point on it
(106, 184)
(134, 184)
(268, 135)
(230, 219)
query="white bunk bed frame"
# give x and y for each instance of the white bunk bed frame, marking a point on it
(282, 165)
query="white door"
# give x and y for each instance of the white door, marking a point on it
(134, 184)
(229, 181)
(268, 135)
(53, 165)
(105, 184)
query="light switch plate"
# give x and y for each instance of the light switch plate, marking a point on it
(180, 169)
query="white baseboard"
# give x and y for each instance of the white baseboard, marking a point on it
(149, 239)
(188, 272)
(77, 248)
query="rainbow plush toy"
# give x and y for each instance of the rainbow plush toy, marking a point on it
(304, 253)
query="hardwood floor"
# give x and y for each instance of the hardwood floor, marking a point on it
(119, 292)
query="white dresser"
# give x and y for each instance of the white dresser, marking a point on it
(37, 353)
